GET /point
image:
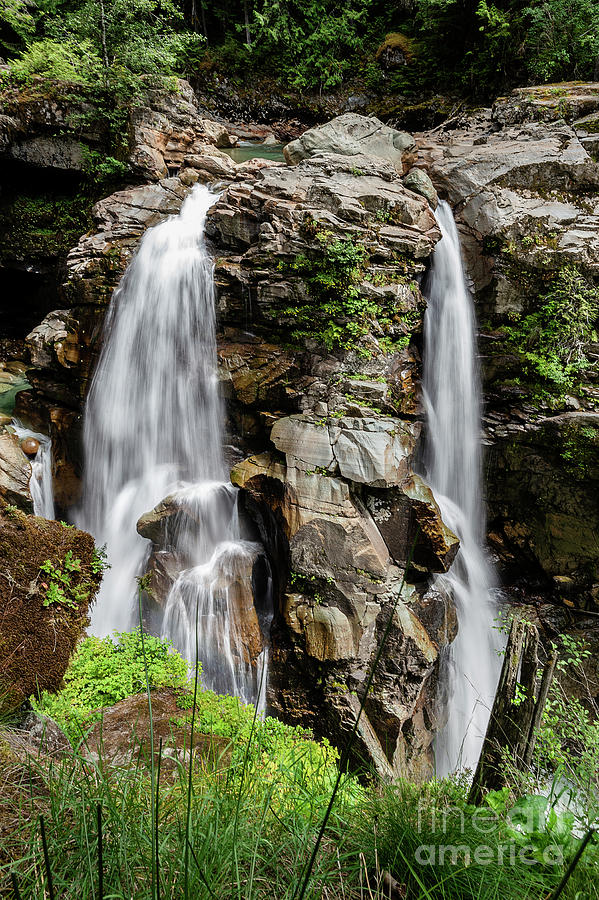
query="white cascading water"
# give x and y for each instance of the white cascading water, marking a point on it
(453, 470)
(40, 483)
(153, 427)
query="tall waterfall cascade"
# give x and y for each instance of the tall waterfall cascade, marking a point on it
(40, 483)
(452, 398)
(152, 429)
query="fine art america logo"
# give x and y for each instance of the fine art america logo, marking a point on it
(521, 837)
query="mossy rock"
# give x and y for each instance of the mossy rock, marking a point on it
(38, 634)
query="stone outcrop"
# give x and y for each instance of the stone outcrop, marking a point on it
(15, 472)
(569, 101)
(543, 504)
(355, 135)
(331, 484)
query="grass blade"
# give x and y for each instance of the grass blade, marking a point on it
(47, 860)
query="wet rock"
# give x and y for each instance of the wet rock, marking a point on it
(30, 446)
(354, 135)
(541, 487)
(409, 517)
(15, 472)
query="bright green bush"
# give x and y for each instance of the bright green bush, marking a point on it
(106, 670)
(65, 60)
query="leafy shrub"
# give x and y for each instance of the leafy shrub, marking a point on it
(106, 670)
(552, 340)
(567, 746)
(66, 60)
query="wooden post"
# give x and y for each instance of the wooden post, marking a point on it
(513, 710)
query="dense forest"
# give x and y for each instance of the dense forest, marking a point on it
(312, 45)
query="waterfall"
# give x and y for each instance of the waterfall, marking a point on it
(40, 483)
(452, 400)
(152, 428)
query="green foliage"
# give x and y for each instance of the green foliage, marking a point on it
(312, 40)
(140, 37)
(338, 313)
(16, 23)
(41, 224)
(61, 586)
(440, 847)
(66, 60)
(552, 340)
(567, 746)
(106, 670)
(561, 39)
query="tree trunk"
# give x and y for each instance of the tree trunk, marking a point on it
(246, 17)
(513, 711)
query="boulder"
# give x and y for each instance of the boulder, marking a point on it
(354, 135)
(38, 635)
(409, 517)
(125, 732)
(376, 452)
(418, 181)
(15, 472)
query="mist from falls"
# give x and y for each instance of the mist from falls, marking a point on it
(452, 398)
(153, 427)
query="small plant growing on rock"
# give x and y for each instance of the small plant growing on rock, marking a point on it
(59, 585)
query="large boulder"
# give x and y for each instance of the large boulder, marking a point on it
(355, 135)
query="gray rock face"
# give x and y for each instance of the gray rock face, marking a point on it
(354, 135)
(526, 197)
(547, 103)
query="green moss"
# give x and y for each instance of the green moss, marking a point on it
(335, 310)
(580, 451)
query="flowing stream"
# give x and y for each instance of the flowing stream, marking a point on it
(453, 469)
(40, 483)
(153, 427)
